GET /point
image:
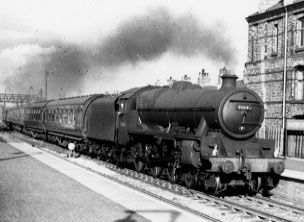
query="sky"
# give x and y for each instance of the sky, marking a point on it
(97, 46)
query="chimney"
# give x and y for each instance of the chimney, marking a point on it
(266, 4)
(228, 81)
(170, 81)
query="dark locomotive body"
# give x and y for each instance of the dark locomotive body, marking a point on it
(212, 134)
(206, 135)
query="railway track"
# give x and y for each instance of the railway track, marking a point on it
(272, 204)
(249, 208)
(236, 208)
(276, 210)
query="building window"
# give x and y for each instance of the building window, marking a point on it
(275, 39)
(252, 49)
(300, 32)
(252, 43)
(299, 84)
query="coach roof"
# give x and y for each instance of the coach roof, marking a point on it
(72, 101)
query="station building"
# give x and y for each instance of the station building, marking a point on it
(275, 56)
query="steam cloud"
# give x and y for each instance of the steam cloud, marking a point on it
(142, 38)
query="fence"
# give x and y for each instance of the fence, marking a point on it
(18, 98)
(295, 144)
(294, 141)
(272, 132)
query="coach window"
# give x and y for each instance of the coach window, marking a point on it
(70, 116)
(65, 115)
(49, 115)
(61, 115)
(67, 110)
(53, 115)
(46, 115)
(56, 114)
(77, 116)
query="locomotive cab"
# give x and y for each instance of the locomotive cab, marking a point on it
(127, 115)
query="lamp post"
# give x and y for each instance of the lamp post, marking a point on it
(5, 96)
(283, 132)
(30, 92)
(46, 85)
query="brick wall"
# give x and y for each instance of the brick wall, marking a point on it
(264, 68)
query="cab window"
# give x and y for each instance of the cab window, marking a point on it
(123, 106)
(133, 104)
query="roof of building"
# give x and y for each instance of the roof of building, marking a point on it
(276, 9)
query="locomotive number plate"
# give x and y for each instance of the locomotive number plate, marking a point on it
(243, 107)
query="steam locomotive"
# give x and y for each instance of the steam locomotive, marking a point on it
(206, 136)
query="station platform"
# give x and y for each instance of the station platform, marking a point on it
(291, 185)
(38, 186)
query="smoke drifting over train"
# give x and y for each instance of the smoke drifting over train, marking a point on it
(139, 39)
(149, 36)
(64, 68)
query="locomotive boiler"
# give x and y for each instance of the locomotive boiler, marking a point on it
(207, 135)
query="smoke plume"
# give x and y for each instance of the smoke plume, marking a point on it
(64, 69)
(139, 39)
(148, 37)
